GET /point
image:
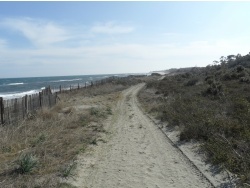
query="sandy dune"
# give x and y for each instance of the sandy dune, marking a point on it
(134, 153)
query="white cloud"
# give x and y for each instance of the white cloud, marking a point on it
(39, 32)
(3, 43)
(111, 28)
(89, 57)
(196, 52)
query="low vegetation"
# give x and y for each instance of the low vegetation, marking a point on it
(210, 105)
(41, 150)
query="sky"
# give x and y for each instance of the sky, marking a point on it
(82, 38)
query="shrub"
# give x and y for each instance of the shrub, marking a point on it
(68, 169)
(245, 79)
(157, 93)
(215, 89)
(222, 124)
(155, 74)
(94, 111)
(46, 114)
(240, 68)
(109, 110)
(227, 76)
(99, 113)
(191, 82)
(27, 163)
(209, 77)
(240, 109)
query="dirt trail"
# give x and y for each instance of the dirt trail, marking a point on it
(135, 154)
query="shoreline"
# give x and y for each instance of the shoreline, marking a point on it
(11, 88)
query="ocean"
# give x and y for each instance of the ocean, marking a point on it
(19, 87)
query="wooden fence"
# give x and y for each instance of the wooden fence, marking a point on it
(14, 110)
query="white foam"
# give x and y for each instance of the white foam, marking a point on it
(67, 80)
(18, 95)
(15, 84)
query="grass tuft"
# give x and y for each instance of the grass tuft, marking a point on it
(27, 162)
(67, 170)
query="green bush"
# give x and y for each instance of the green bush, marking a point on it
(240, 68)
(214, 89)
(227, 76)
(191, 82)
(27, 163)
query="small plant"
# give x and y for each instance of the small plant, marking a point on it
(27, 163)
(191, 82)
(94, 111)
(109, 110)
(46, 114)
(98, 113)
(6, 149)
(40, 139)
(84, 120)
(82, 149)
(94, 142)
(67, 170)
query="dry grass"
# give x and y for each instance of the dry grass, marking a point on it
(51, 139)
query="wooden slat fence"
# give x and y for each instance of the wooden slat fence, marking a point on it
(14, 110)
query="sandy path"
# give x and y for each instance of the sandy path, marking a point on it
(136, 154)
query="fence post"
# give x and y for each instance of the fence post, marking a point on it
(49, 90)
(60, 88)
(2, 109)
(56, 99)
(78, 86)
(49, 96)
(26, 104)
(85, 85)
(40, 99)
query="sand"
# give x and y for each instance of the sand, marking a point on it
(134, 153)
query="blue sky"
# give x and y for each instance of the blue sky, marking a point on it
(75, 38)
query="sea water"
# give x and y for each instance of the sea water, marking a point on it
(19, 87)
